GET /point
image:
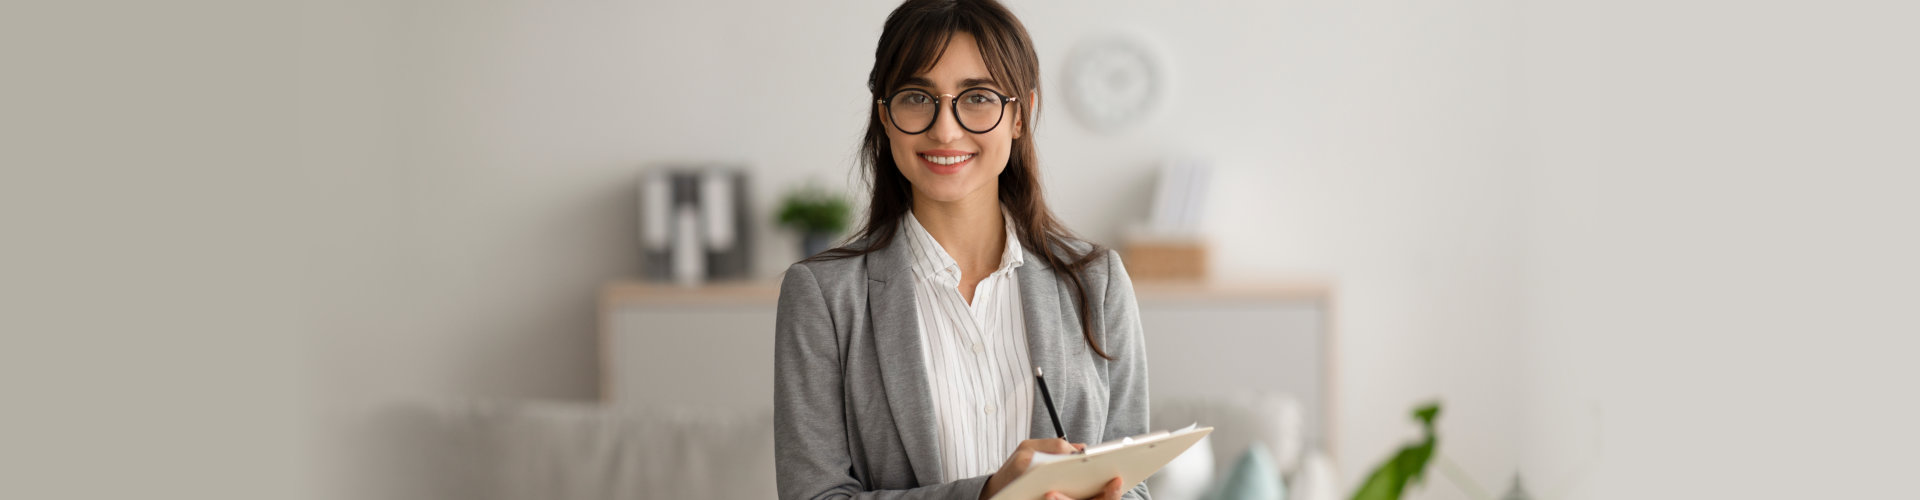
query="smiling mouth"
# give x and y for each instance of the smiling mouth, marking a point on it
(946, 160)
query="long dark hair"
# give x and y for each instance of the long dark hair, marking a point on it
(914, 37)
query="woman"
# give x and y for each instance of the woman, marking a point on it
(904, 361)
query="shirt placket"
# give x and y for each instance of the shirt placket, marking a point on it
(973, 346)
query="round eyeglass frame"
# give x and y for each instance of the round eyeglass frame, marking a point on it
(953, 107)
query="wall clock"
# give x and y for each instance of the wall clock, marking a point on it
(1114, 82)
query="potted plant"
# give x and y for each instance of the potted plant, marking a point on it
(1405, 468)
(818, 215)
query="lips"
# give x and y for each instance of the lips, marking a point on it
(945, 161)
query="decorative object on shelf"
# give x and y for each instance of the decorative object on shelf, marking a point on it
(819, 216)
(1516, 492)
(1161, 257)
(694, 224)
(1253, 476)
(1317, 478)
(1170, 245)
(1113, 82)
(1407, 467)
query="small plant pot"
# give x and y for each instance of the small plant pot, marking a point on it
(813, 243)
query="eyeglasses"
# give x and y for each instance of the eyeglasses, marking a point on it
(977, 109)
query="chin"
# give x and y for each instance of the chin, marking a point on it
(946, 192)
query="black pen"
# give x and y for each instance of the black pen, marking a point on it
(1040, 376)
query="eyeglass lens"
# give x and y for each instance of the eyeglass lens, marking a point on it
(913, 111)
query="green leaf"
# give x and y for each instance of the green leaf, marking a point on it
(814, 210)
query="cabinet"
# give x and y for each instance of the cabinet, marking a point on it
(713, 345)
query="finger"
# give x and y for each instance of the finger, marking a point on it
(1055, 445)
(1055, 495)
(1113, 489)
(1079, 447)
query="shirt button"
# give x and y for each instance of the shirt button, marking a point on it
(979, 347)
(989, 409)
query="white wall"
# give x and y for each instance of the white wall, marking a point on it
(1720, 270)
(482, 189)
(148, 344)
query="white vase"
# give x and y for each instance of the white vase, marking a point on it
(689, 255)
(1317, 479)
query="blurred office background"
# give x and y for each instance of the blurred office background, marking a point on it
(1638, 249)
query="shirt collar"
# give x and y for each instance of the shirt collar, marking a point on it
(930, 260)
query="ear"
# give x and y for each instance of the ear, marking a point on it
(1019, 123)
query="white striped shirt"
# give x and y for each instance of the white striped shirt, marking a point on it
(976, 355)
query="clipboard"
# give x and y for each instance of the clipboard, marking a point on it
(1082, 475)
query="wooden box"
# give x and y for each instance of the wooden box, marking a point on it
(1166, 260)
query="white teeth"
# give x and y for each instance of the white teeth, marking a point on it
(947, 160)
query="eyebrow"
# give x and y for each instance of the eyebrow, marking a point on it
(964, 84)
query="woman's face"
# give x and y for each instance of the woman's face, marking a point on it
(927, 158)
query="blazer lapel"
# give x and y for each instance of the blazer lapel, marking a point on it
(1047, 347)
(896, 332)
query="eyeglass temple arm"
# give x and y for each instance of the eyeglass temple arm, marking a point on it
(1009, 98)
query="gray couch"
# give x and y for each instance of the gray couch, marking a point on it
(514, 450)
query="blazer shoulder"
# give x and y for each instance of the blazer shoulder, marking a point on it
(834, 275)
(1075, 246)
(1101, 260)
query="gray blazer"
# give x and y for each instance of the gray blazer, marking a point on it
(852, 413)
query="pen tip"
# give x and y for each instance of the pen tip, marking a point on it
(1037, 372)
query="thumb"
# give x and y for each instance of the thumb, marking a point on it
(1057, 445)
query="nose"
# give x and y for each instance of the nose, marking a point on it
(946, 124)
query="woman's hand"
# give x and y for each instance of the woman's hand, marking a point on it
(1111, 492)
(1022, 456)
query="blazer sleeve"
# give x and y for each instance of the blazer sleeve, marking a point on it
(1127, 374)
(812, 455)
